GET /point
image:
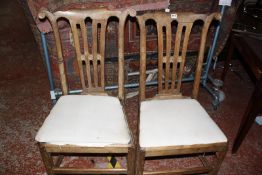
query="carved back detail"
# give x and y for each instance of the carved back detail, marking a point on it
(171, 61)
(93, 67)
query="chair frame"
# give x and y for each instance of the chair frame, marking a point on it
(173, 91)
(94, 86)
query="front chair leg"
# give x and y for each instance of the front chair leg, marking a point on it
(47, 159)
(131, 161)
(140, 162)
(220, 158)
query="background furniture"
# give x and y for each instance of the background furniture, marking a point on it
(249, 46)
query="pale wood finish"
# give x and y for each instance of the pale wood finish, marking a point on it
(169, 87)
(47, 159)
(89, 171)
(181, 171)
(189, 149)
(92, 82)
(79, 149)
(164, 20)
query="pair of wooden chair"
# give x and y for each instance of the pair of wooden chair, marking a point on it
(95, 123)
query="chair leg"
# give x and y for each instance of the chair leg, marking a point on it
(140, 162)
(131, 161)
(59, 160)
(47, 159)
(220, 158)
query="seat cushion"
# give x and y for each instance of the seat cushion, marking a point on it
(85, 120)
(176, 122)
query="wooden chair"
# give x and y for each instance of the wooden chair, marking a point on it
(92, 123)
(171, 124)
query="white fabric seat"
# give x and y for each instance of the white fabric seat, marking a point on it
(85, 120)
(176, 122)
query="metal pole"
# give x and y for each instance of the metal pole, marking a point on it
(130, 85)
(48, 67)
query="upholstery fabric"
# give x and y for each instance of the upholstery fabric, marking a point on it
(85, 120)
(176, 122)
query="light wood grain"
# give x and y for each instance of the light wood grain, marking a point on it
(92, 82)
(185, 22)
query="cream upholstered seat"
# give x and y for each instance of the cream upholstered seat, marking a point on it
(176, 122)
(79, 120)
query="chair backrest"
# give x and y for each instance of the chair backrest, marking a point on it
(90, 64)
(171, 61)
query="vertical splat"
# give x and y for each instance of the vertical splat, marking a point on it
(168, 54)
(78, 51)
(175, 61)
(90, 62)
(86, 53)
(97, 55)
(171, 60)
(188, 27)
(95, 82)
(176, 54)
(102, 52)
(94, 52)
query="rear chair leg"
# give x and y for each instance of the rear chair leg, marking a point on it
(47, 159)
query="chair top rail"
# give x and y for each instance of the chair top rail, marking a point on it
(97, 14)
